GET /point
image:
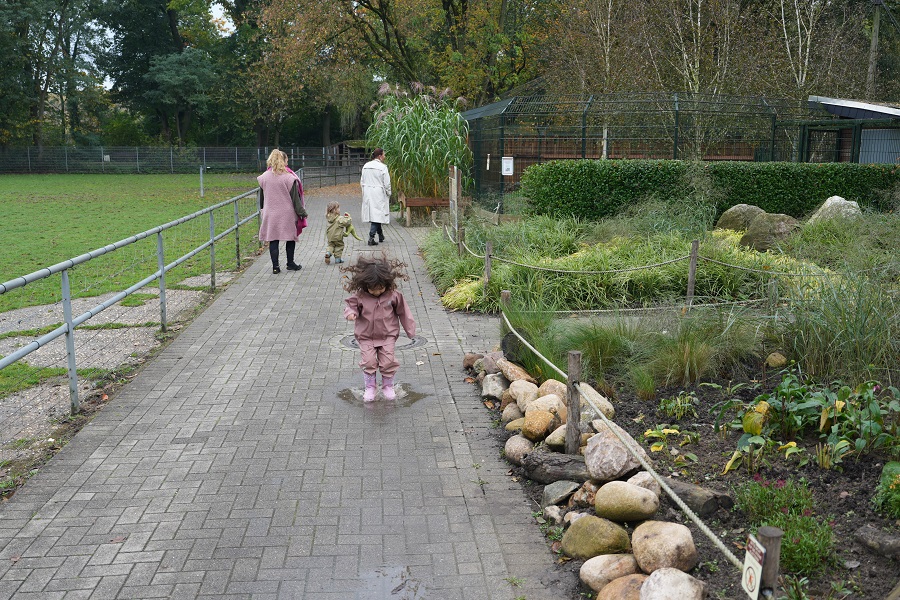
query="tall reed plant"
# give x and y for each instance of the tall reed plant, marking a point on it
(422, 134)
(844, 328)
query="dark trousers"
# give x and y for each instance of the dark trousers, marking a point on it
(288, 248)
(375, 229)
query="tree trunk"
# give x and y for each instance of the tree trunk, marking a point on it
(547, 467)
(326, 127)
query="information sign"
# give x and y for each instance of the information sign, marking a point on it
(506, 167)
(753, 562)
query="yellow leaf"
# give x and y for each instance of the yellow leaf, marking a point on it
(753, 422)
(788, 445)
(732, 463)
(657, 447)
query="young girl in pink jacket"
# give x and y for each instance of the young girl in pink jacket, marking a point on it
(378, 310)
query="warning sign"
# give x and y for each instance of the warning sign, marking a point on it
(753, 562)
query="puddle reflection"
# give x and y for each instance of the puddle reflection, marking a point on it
(405, 397)
(391, 582)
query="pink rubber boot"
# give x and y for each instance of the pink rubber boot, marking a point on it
(369, 394)
(387, 388)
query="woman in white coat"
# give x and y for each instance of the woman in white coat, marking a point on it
(376, 191)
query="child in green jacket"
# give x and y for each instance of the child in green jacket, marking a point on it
(339, 226)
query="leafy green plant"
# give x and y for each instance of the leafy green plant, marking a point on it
(887, 494)
(664, 435)
(422, 135)
(679, 406)
(808, 543)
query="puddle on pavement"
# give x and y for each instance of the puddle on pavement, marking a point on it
(395, 583)
(405, 397)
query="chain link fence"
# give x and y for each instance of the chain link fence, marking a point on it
(160, 159)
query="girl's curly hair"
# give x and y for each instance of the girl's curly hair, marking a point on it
(333, 208)
(373, 271)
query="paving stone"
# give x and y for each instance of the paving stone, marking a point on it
(240, 463)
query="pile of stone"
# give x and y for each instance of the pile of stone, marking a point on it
(765, 231)
(598, 494)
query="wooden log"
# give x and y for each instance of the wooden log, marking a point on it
(702, 501)
(546, 467)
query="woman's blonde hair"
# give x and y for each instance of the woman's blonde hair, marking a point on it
(278, 161)
(333, 208)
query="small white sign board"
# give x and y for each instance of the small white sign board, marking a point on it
(506, 165)
(753, 561)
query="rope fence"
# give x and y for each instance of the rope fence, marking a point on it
(693, 258)
(591, 397)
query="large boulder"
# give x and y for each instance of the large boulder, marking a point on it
(517, 448)
(493, 386)
(551, 403)
(539, 424)
(592, 536)
(836, 208)
(622, 502)
(767, 231)
(672, 584)
(607, 458)
(658, 545)
(623, 588)
(558, 492)
(553, 386)
(597, 572)
(739, 217)
(514, 372)
(523, 392)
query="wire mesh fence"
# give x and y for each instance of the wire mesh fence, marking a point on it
(537, 129)
(160, 159)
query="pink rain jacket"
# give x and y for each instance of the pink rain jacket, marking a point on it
(378, 319)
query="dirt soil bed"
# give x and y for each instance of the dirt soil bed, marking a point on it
(843, 499)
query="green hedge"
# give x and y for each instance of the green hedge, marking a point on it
(594, 189)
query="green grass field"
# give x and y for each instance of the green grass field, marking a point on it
(45, 219)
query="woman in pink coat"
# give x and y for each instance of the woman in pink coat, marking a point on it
(378, 311)
(280, 192)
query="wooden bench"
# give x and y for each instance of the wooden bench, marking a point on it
(410, 203)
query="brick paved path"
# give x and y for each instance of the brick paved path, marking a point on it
(240, 463)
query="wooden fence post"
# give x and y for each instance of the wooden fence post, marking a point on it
(488, 248)
(770, 538)
(573, 416)
(460, 240)
(692, 273)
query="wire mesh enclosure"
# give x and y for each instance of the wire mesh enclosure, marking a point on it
(537, 129)
(165, 159)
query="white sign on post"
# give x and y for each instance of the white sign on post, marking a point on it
(753, 562)
(506, 165)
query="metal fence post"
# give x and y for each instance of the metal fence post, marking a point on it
(770, 538)
(201, 181)
(74, 403)
(488, 248)
(161, 264)
(692, 272)
(137, 158)
(675, 146)
(236, 168)
(102, 161)
(212, 251)
(573, 404)
(66, 155)
(171, 160)
(237, 234)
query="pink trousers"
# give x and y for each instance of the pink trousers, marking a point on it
(378, 358)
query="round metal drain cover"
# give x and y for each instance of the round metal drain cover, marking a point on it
(402, 343)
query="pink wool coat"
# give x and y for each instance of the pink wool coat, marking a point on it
(278, 219)
(378, 319)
